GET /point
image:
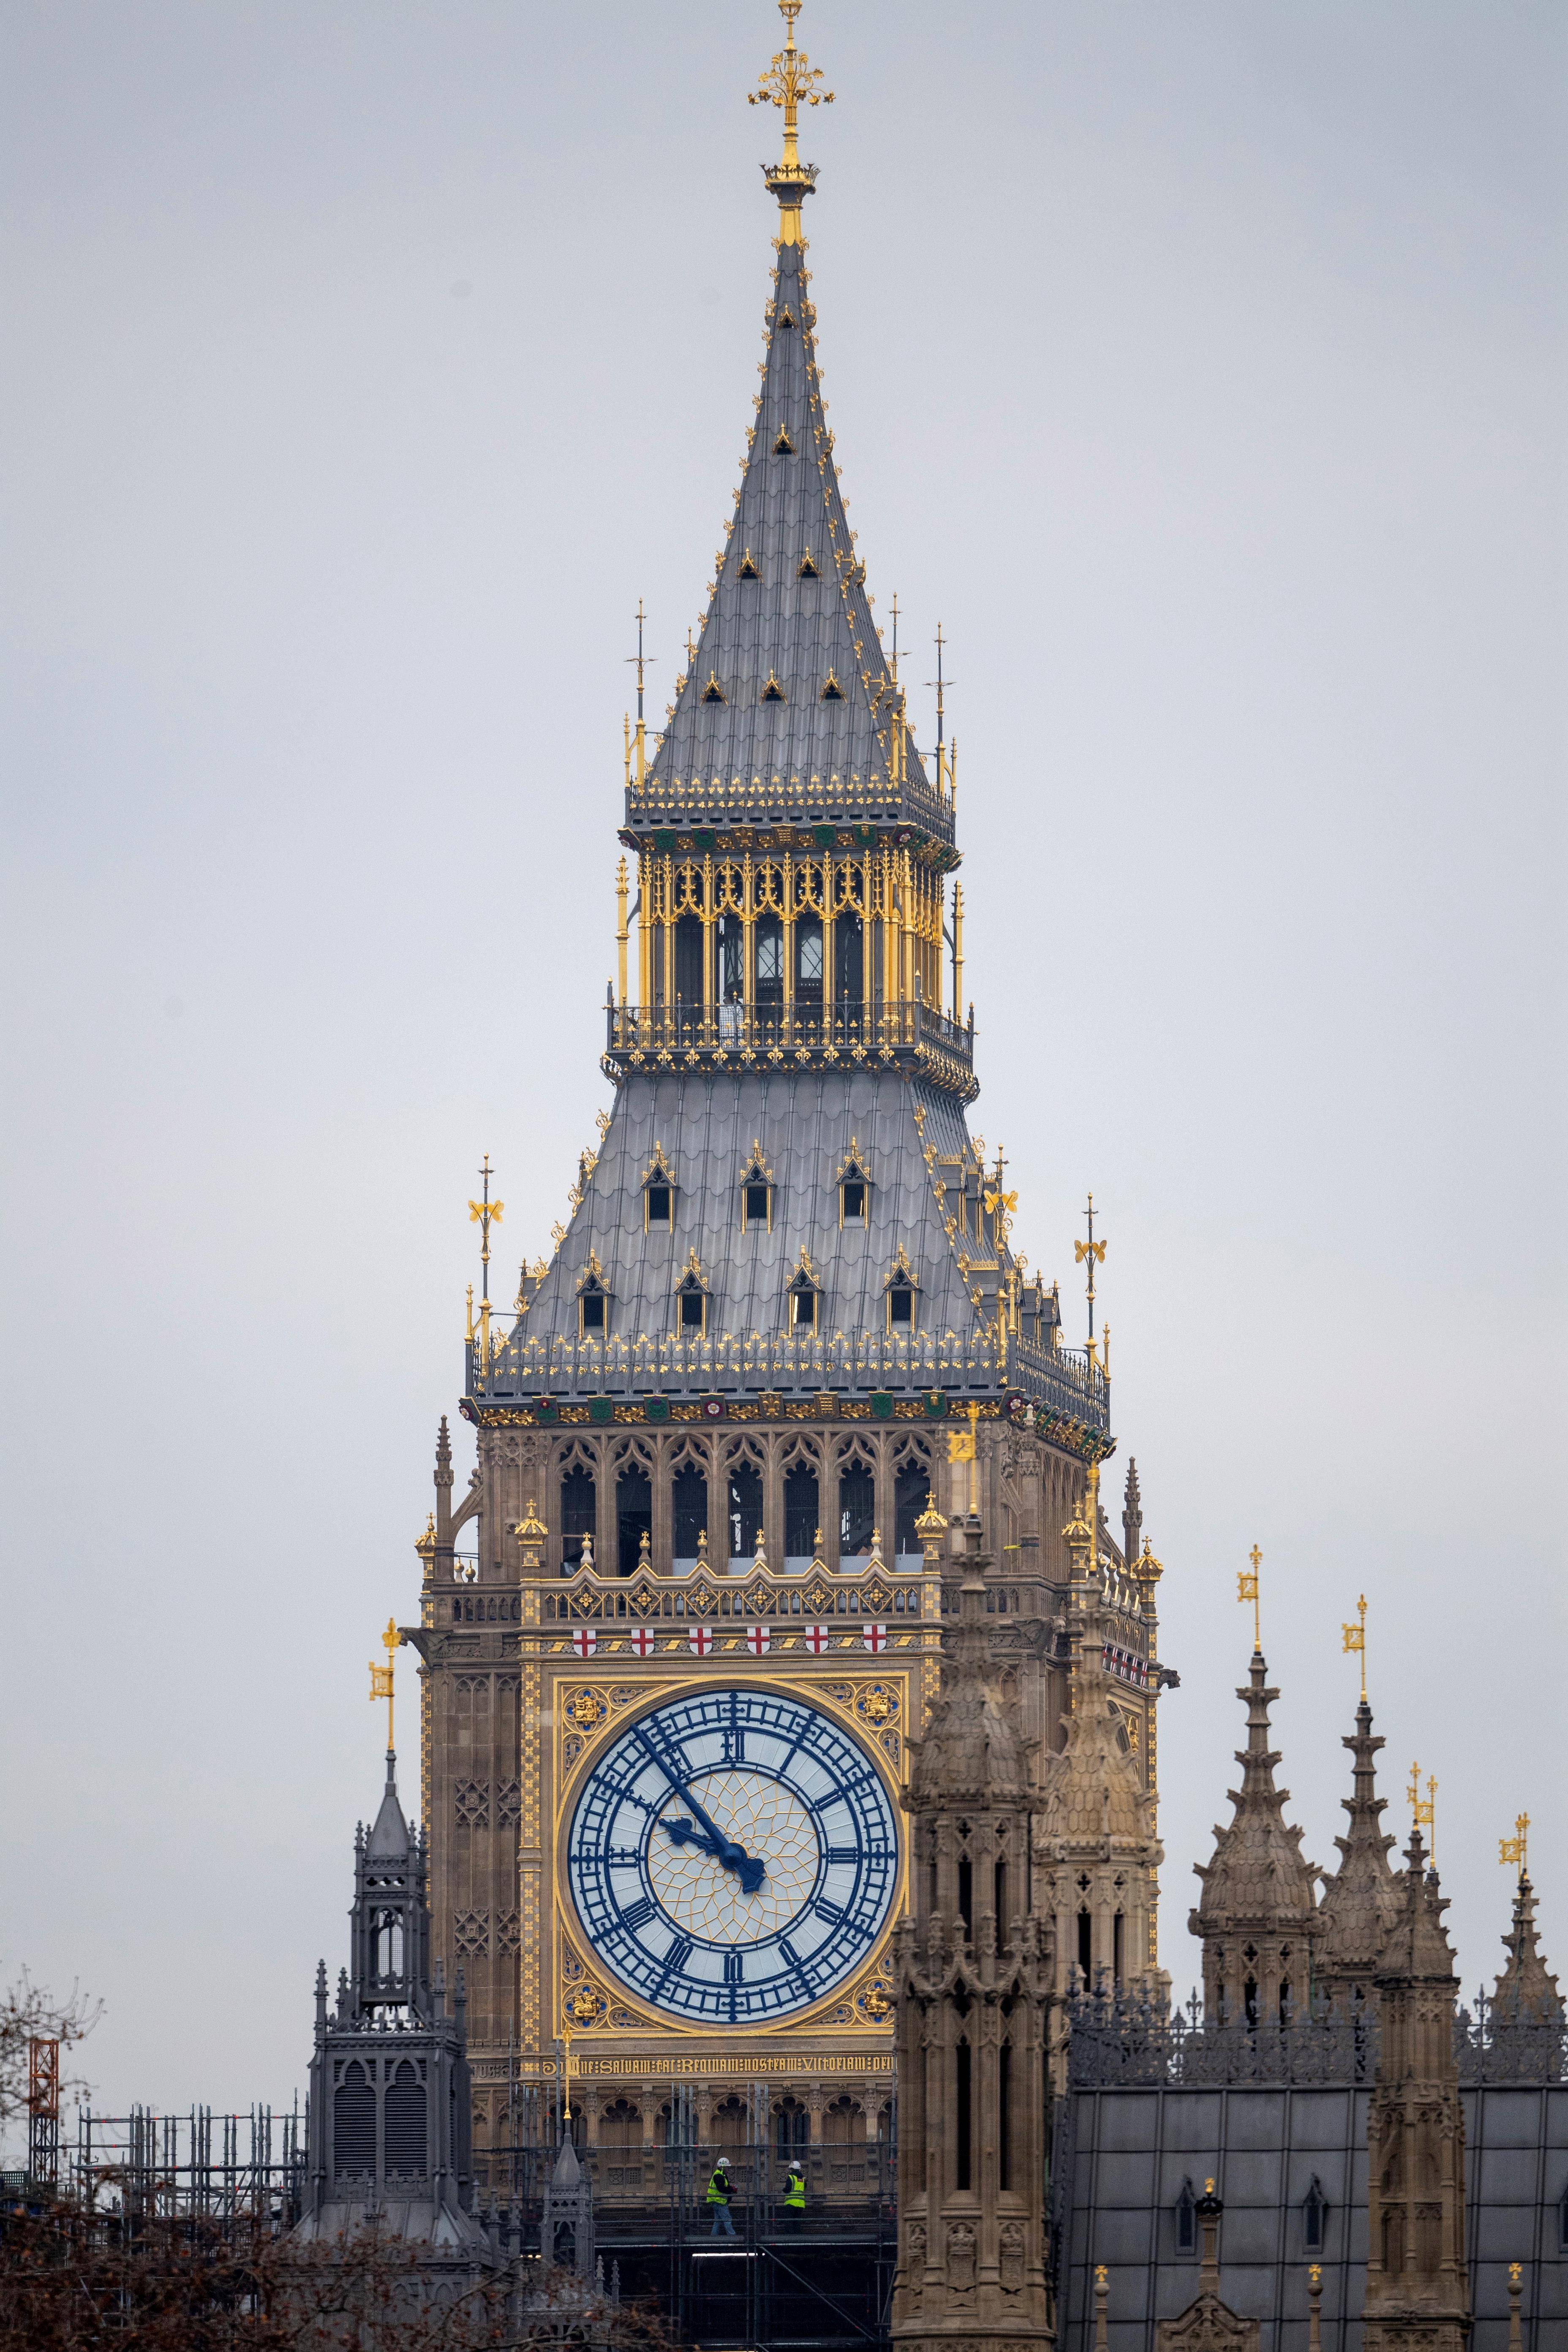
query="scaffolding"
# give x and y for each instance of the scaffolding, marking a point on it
(219, 2168)
(817, 2282)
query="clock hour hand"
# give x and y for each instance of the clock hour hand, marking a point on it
(750, 1868)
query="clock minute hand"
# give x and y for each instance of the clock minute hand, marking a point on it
(751, 1868)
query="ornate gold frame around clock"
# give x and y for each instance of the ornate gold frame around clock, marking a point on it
(862, 2004)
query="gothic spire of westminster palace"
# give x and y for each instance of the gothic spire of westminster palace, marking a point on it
(682, 1628)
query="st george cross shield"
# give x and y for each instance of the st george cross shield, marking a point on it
(586, 1641)
(757, 1640)
(874, 1637)
(819, 1637)
(700, 1638)
(641, 1641)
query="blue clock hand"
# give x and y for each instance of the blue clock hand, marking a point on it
(751, 1868)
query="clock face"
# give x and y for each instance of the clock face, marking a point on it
(733, 1856)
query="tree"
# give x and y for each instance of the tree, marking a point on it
(30, 2013)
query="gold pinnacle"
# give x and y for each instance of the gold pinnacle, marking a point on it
(1514, 1849)
(1355, 1639)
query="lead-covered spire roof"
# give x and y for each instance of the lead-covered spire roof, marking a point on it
(788, 708)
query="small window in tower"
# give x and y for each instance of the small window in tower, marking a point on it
(593, 1304)
(713, 691)
(756, 1204)
(787, 316)
(693, 1310)
(773, 691)
(1187, 2220)
(1315, 2214)
(748, 569)
(900, 1306)
(855, 1203)
(658, 1205)
(804, 1316)
(783, 446)
(806, 569)
(832, 691)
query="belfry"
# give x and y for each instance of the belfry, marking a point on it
(682, 1631)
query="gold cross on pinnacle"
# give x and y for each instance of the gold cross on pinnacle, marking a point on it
(790, 81)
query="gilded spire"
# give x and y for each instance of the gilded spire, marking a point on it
(790, 82)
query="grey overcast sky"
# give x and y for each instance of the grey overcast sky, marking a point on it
(1201, 369)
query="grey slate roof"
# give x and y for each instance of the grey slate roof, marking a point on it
(778, 625)
(707, 1124)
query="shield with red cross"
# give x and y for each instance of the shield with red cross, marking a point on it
(819, 1637)
(757, 1640)
(585, 1640)
(874, 1637)
(700, 1638)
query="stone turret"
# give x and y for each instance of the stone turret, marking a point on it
(1257, 1914)
(1417, 2280)
(973, 1995)
(1097, 1849)
(566, 2226)
(1362, 1900)
(1526, 1991)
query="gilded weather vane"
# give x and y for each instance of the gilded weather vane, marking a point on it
(1513, 1849)
(485, 1213)
(1247, 1589)
(1424, 1810)
(790, 81)
(1091, 1254)
(1355, 1639)
(381, 1677)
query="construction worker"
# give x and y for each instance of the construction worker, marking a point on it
(719, 2192)
(794, 2196)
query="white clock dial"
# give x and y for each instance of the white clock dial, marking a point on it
(733, 1855)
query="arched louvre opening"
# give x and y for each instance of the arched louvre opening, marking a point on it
(744, 1510)
(849, 963)
(963, 2125)
(803, 1517)
(633, 1516)
(579, 1504)
(856, 1509)
(688, 963)
(911, 1493)
(808, 960)
(689, 1498)
(388, 1958)
(792, 2129)
(353, 2121)
(405, 2120)
(729, 972)
(770, 961)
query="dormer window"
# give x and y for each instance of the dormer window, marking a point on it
(854, 1188)
(783, 446)
(832, 691)
(658, 1190)
(773, 691)
(900, 1289)
(691, 1300)
(712, 691)
(756, 1193)
(593, 1301)
(747, 569)
(806, 569)
(804, 1296)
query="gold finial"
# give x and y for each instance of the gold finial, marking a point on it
(1091, 1254)
(1247, 1589)
(1208, 2188)
(1424, 1815)
(485, 1213)
(1355, 1639)
(381, 1677)
(1513, 1849)
(790, 81)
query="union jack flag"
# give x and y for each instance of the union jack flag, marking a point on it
(700, 1638)
(874, 1637)
(586, 1641)
(817, 1637)
(757, 1639)
(641, 1641)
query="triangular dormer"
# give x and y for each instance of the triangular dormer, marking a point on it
(593, 1301)
(806, 569)
(854, 1183)
(691, 1295)
(803, 1295)
(832, 691)
(773, 691)
(900, 1291)
(783, 446)
(658, 1192)
(746, 569)
(756, 1191)
(713, 691)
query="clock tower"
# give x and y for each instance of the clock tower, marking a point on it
(680, 1632)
